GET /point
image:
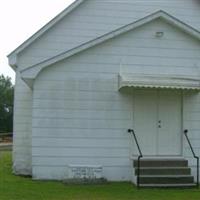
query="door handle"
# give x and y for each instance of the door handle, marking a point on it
(159, 124)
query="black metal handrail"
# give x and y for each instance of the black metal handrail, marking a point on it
(194, 155)
(139, 157)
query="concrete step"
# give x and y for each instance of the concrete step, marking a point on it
(164, 171)
(168, 185)
(168, 179)
(161, 163)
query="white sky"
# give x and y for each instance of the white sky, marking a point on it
(19, 20)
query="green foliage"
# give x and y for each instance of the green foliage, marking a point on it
(6, 104)
(20, 188)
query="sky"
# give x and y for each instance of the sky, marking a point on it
(21, 19)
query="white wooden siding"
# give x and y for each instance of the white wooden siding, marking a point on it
(80, 117)
(59, 172)
(22, 128)
(86, 123)
(94, 18)
(191, 113)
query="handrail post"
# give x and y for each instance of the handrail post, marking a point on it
(138, 172)
(139, 157)
(197, 172)
(194, 155)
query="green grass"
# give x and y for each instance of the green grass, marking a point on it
(19, 188)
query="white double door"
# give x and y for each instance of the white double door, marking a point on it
(157, 122)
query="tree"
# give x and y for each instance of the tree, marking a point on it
(6, 104)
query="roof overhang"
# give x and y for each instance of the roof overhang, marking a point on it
(155, 81)
(45, 28)
(12, 61)
(12, 57)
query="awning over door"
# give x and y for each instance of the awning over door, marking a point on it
(150, 81)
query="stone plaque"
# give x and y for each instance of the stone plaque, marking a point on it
(90, 172)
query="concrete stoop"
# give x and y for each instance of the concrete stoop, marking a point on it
(168, 173)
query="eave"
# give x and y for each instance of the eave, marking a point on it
(45, 28)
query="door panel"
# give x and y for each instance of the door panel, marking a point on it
(157, 121)
(144, 120)
(169, 132)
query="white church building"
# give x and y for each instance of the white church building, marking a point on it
(95, 71)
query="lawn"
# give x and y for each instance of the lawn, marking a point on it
(19, 188)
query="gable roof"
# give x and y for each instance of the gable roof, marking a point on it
(31, 72)
(45, 28)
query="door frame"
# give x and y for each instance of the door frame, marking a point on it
(181, 118)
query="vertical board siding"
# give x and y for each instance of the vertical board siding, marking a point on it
(78, 113)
